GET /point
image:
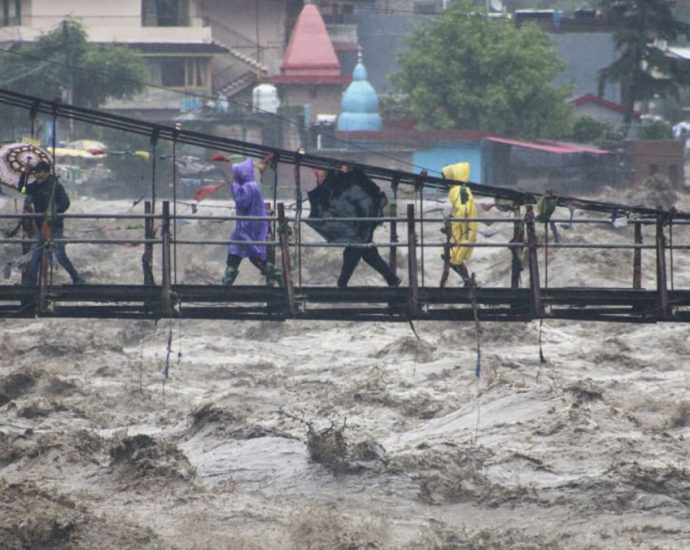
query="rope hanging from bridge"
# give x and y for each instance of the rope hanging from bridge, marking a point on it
(542, 359)
(168, 347)
(478, 336)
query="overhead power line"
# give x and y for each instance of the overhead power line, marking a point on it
(243, 104)
(207, 141)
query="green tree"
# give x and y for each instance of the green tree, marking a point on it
(656, 129)
(63, 63)
(589, 130)
(644, 70)
(466, 70)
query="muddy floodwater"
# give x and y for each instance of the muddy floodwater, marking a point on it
(339, 435)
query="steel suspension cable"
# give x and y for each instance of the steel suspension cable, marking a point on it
(187, 137)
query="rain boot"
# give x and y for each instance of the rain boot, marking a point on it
(393, 280)
(273, 275)
(464, 273)
(230, 275)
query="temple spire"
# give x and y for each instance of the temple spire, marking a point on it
(359, 108)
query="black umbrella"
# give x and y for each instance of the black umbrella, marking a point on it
(346, 195)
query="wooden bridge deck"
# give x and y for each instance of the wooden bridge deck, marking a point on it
(351, 304)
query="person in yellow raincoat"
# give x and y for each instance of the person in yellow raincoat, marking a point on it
(463, 231)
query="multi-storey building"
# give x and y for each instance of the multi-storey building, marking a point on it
(197, 48)
(170, 34)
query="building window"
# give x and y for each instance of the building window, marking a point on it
(180, 72)
(165, 13)
(173, 73)
(11, 13)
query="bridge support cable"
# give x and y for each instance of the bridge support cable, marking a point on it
(284, 234)
(661, 284)
(298, 218)
(670, 247)
(273, 163)
(419, 191)
(176, 133)
(166, 302)
(533, 261)
(516, 252)
(147, 256)
(413, 299)
(637, 256)
(187, 137)
(546, 256)
(270, 249)
(393, 213)
(155, 133)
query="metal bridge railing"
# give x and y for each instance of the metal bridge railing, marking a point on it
(156, 232)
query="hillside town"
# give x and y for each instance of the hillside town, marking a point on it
(319, 76)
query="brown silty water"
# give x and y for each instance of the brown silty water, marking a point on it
(345, 435)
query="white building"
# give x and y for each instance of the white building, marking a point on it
(192, 47)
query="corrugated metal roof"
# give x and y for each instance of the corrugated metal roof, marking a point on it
(590, 98)
(555, 147)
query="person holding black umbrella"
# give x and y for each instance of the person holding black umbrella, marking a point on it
(350, 194)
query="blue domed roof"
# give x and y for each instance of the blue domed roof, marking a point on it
(359, 108)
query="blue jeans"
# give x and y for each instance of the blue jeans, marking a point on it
(58, 250)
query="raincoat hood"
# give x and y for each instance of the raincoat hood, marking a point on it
(243, 171)
(459, 171)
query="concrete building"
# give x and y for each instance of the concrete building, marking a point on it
(601, 110)
(584, 42)
(254, 33)
(663, 157)
(170, 34)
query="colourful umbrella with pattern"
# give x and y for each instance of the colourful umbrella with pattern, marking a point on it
(16, 162)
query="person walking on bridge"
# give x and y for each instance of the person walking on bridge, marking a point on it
(48, 197)
(459, 231)
(249, 201)
(350, 194)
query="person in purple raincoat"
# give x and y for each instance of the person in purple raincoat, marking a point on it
(248, 202)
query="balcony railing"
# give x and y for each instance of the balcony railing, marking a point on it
(47, 22)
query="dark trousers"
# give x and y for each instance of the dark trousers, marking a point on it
(234, 261)
(58, 250)
(351, 257)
